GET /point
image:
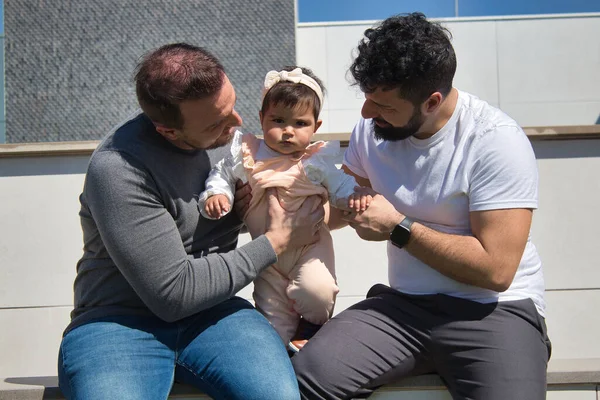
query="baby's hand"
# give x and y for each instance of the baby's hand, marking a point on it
(217, 205)
(360, 199)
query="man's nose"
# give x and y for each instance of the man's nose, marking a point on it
(368, 110)
(236, 118)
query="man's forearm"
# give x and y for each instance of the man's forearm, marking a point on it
(462, 258)
(488, 259)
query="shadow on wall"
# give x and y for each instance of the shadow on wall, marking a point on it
(598, 120)
(29, 166)
(545, 149)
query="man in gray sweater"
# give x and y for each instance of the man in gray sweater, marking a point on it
(155, 289)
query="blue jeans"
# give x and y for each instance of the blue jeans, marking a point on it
(228, 351)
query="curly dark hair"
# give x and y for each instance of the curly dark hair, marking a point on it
(172, 74)
(406, 52)
(292, 94)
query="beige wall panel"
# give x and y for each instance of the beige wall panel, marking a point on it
(30, 340)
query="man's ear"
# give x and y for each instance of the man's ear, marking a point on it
(432, 103)
(318, 124)
(167, 133)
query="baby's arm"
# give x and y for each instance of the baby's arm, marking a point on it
(217, 198)
(341, 187)
(217, 206)
(321, 169)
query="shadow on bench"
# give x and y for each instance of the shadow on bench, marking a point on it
(561, 373)
(46, 388)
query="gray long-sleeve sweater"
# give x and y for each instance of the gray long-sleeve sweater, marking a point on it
(147, 249)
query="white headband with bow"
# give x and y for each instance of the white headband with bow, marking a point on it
(295, 76)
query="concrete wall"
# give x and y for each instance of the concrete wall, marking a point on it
(40, 242)
(69, 64)
(541, 71)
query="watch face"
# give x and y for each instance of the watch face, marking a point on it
(399, 236)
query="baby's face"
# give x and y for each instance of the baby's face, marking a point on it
(288, 130)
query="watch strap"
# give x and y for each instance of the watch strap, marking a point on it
(407, 223)
(401, 233)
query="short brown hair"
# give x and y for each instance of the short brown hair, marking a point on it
(292, 94)
(172, 74)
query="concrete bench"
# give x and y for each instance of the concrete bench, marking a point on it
(567, 379)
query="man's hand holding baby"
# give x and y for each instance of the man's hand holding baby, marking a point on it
(377, 220)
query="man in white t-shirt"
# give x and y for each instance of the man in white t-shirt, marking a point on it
(454, 182)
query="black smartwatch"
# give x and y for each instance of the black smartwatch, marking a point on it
(401, 233)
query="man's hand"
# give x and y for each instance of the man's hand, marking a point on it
(216, 206)
(241, 199)
(287, 229)
(377, 221)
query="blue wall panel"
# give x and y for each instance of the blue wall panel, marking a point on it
(356, 10)
(477, 8)
(2, 117)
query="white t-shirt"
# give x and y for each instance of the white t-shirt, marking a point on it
(480, 160)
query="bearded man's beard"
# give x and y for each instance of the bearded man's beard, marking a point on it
(395, 133)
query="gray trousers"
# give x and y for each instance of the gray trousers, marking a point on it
(496, 351)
